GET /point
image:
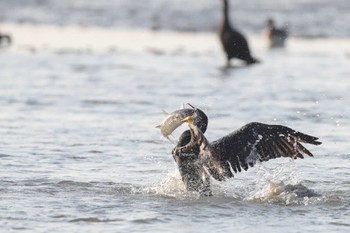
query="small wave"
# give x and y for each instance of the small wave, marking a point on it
(146, 220)
(340, 224)
(94, 152)
(4, 155)
(93, 220)
(95, 102)
(34, 102)
(103, 187)
(73, 183)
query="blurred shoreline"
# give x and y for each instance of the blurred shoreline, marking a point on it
(53, 37)
(305, 18)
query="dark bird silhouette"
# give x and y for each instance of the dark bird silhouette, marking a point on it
(276, 36)
(5, 37)
(233, 42)
(198, 159)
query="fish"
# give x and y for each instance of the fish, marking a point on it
(173, 120)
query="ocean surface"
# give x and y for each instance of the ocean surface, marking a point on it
(80, 97)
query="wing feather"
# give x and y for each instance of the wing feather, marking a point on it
(301, 148)
(284, 151)
(288, 144)
(278, 151)
(273, 153)
(263, 152)
(260, 142)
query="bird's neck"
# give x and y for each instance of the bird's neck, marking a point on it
(225, 19)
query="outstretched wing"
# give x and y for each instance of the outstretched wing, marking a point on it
(260, 142)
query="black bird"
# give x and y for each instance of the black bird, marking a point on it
(233, 42)
(198, 160)
(276, 36)
(5, 37)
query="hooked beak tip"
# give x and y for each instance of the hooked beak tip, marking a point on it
(188, 119)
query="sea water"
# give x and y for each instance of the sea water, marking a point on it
(79, 151)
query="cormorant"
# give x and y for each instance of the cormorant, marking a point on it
(5, 37)
(198, 159)
(233, 42)
(276, 36)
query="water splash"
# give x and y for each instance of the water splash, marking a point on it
(282, 185)
(172, 187)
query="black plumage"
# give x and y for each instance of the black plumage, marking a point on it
(199, 159)
(276, 36)
(234, 44)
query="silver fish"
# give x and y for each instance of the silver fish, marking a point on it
(174, 120)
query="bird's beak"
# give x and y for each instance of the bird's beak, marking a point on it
(188, 119)
(191, 105)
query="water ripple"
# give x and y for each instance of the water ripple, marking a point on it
(94, 220)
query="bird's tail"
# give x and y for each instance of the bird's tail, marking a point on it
(252, 60)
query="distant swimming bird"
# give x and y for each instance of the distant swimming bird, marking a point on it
(5, 37)
(198, 159)
(233, 42)
(276, 36)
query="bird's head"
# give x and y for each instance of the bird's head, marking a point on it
(270, 23)
(198, 118)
